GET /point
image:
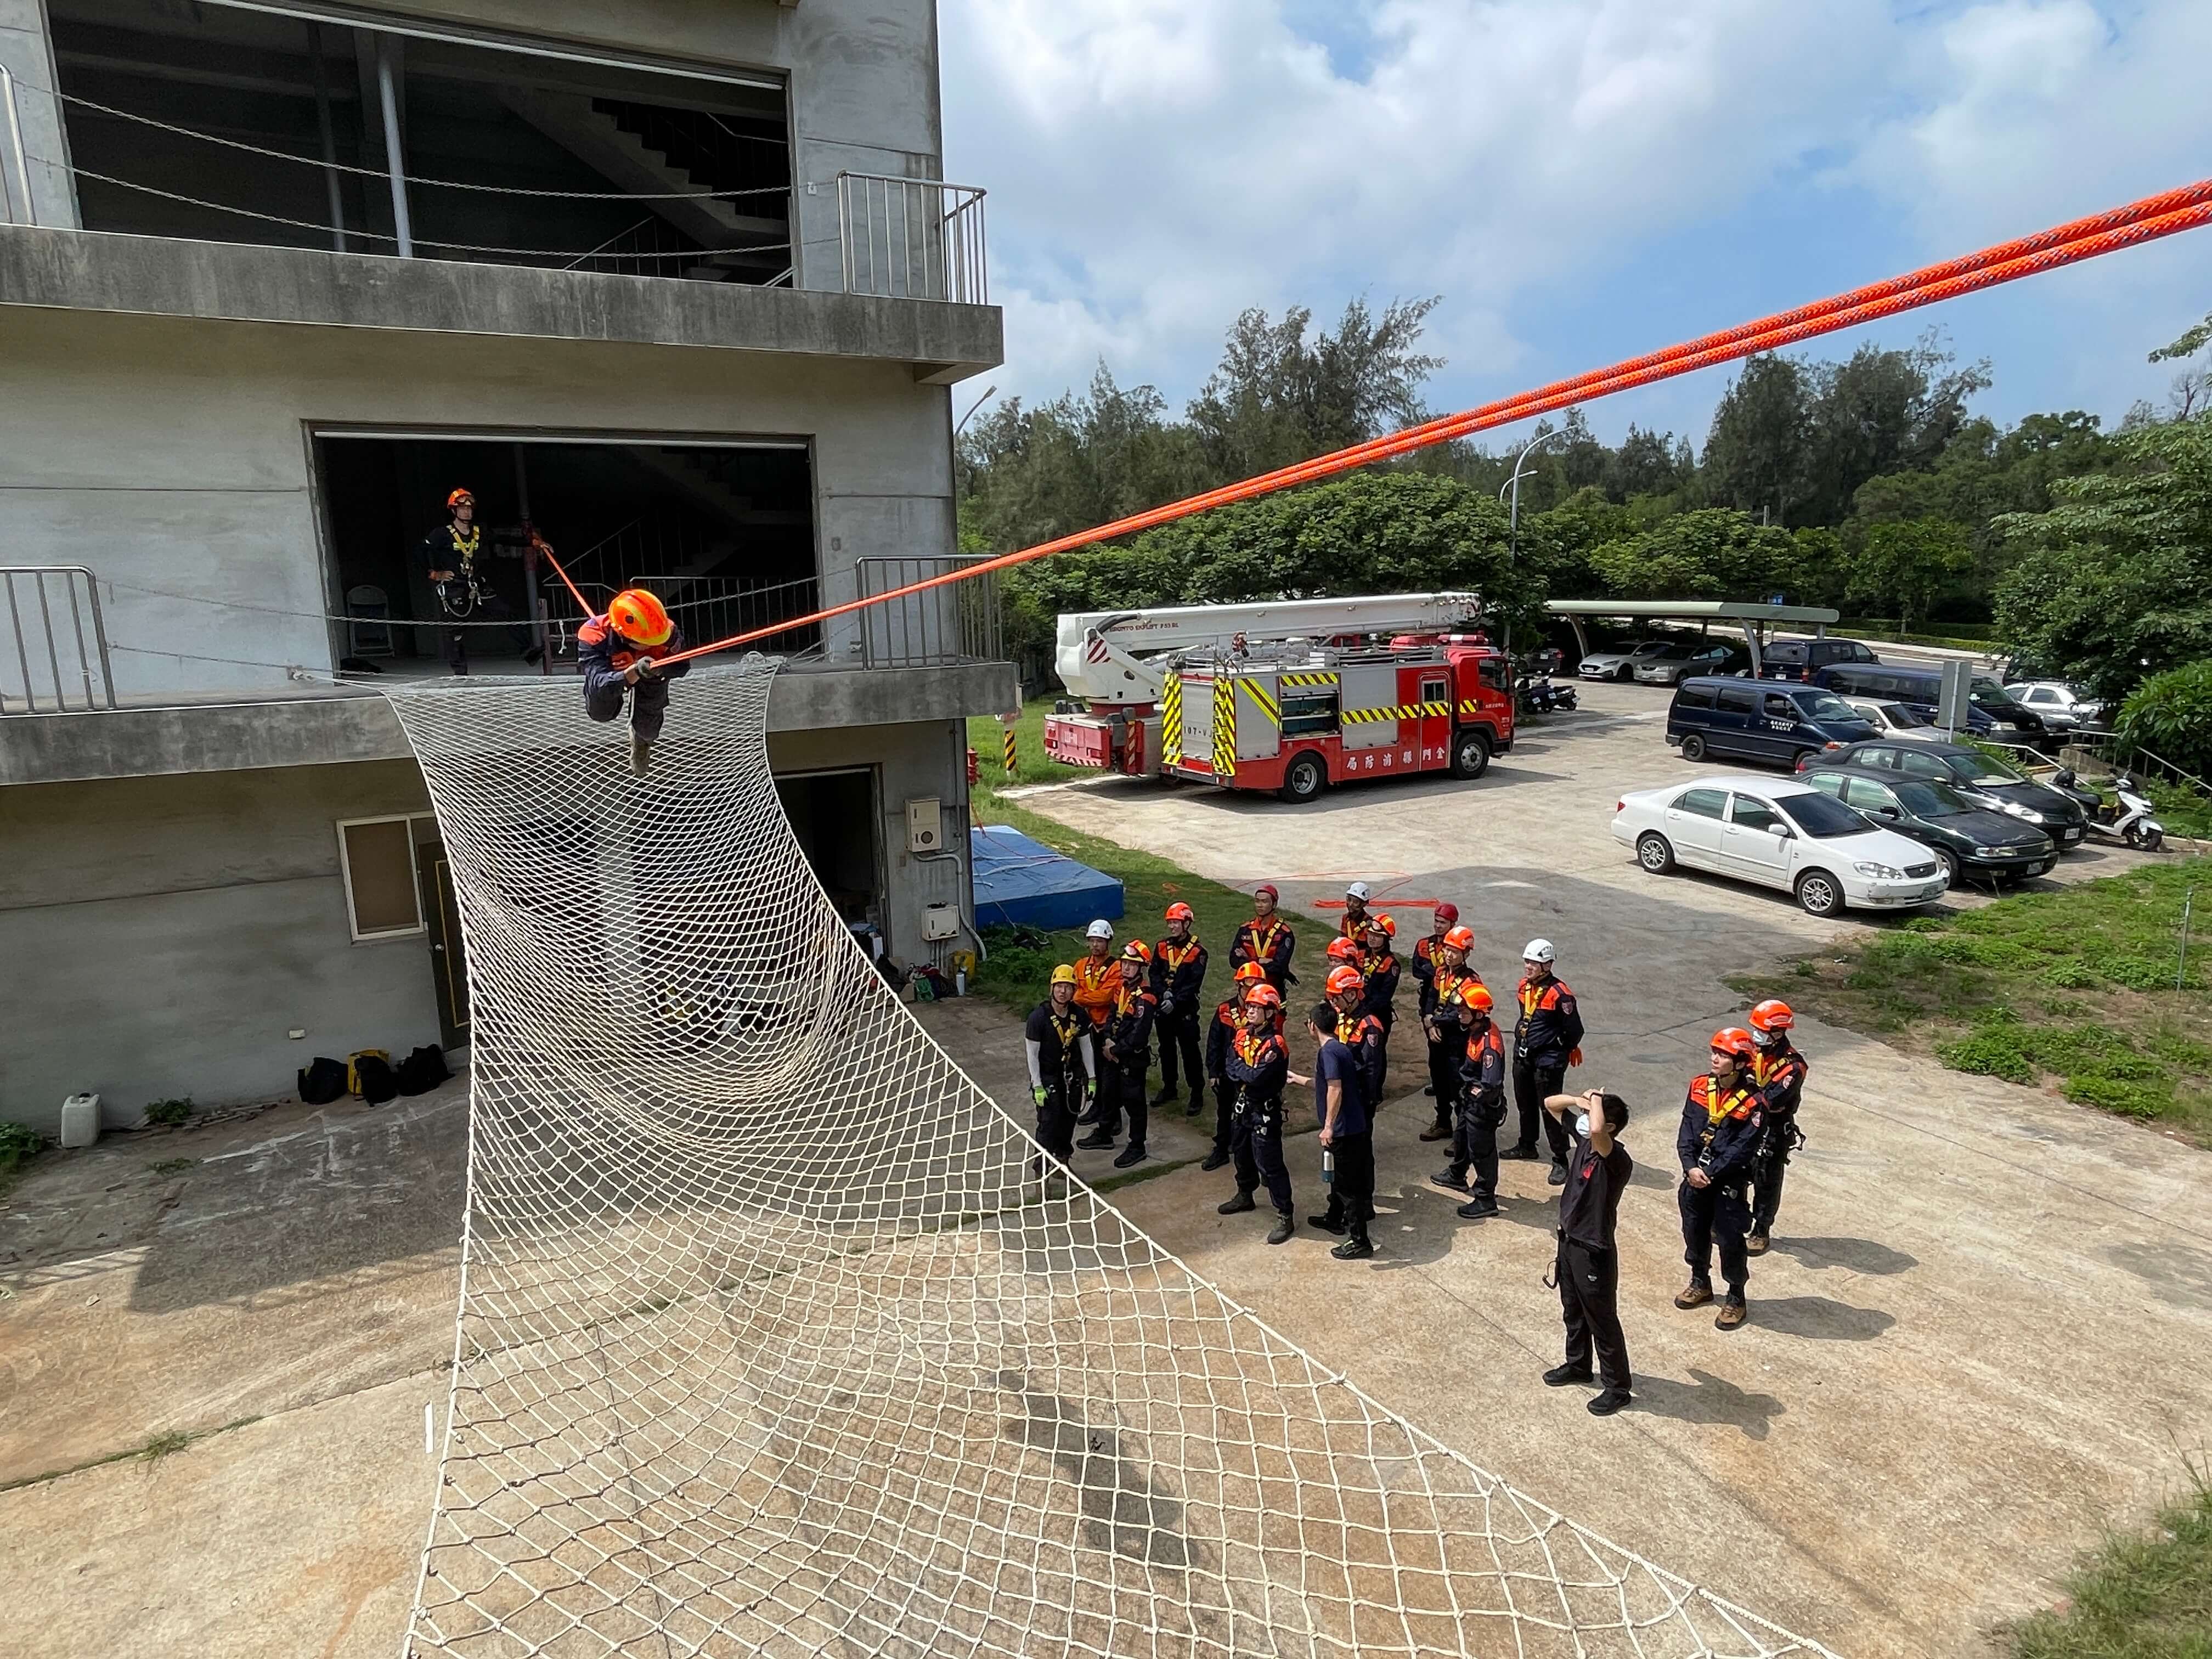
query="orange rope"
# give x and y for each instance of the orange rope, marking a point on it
(546, 553)
(2154, 216)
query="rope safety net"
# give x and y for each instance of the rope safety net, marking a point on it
(771, 1342)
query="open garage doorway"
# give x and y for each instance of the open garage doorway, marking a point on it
(835, 816)
(722, 531)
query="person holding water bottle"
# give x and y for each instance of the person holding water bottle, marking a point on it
(1348, 1140)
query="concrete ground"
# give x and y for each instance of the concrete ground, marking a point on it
(1979, 1336)
(1978, 1340)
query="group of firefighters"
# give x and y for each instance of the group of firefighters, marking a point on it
(1090, 1047)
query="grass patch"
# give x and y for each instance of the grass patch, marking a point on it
(2146, 1595)
(2076, 990)
(19, 1144)
(169, 1166)
(168, 1114)
(987, 737)
(166, 1444)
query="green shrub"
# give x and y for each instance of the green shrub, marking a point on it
(2135, 972)
(1992, 1051)
(2069, 973)
(167, 1114)
(2171, 715)
(2125, 1096)
(18, 1141)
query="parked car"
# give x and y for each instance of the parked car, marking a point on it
(1966, 838)
(1618, 662)
(1757, 721)
(2061, 707)
(1778, 835)
(2059, 812)
(1990, 713)
(1800, 658)
(1686, 659)
(1894, 720)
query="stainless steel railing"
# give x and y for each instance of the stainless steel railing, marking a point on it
(15, 187)
(954, 623)
(55, 648)
(913, 239)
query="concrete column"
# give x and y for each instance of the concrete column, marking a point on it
(27, 52)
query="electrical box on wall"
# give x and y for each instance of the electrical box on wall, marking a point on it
(939, 922)
(925, 826)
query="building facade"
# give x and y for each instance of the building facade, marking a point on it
(675, 287)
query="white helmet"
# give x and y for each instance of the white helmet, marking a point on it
(1358, 890)
(1539, 950)
(1099, 929)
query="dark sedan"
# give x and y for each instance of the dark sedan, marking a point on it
(1982, 778)
(1966, 839)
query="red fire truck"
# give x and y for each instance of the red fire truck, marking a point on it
(1291, 696)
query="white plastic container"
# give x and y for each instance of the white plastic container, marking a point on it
(80, 1120)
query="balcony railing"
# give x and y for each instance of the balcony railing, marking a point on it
(913, 239)
(57, 657)
(956, 623)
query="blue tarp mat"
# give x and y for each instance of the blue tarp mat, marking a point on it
(1020, 881)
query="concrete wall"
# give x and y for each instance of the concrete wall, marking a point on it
(172, 453)
(921, 760)
(29, 56)
(164, 934)
(863, 79)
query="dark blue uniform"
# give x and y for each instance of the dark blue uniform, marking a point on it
(1478, 1108)
(1270, 944)
(1779, 1074)
(1382, 974)
(602, 655)
(1128, 1029)
(1178, 980)
(1549, 1029)
(1256, 1068)
(1720, 1134)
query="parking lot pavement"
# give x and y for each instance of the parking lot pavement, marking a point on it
(1968, 1347)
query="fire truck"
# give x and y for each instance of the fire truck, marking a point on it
(1289, 695)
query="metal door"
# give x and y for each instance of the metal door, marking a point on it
(449, 967)
(1259, 718)
(1370, 707)
(1436, 727)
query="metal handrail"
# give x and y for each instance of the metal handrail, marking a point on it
(89, 658)
(932, 236)
(16, 144)
(958, 622)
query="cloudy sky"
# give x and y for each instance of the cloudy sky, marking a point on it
(1581, 180)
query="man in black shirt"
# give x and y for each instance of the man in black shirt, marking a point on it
(1058, 1039)
(1589, 1264)
(1256, 1069)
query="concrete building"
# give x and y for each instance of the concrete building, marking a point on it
(675, 284)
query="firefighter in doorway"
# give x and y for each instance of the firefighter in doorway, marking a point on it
(450, 559)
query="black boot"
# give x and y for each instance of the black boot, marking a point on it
(1215, 1159)
(1097, 1140)
(1131, 1155)
(1358, 1248)
(1286, 1224)
(1559, 1375)
(1162, 1097)
(1236, 1205)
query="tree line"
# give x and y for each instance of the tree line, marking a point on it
(1867, 483)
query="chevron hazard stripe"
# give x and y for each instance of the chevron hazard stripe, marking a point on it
(1259, 694)
(1224, 728)
(1404, 711)
(1307, 679)
(1171, 722)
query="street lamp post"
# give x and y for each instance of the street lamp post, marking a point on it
(1513, 520)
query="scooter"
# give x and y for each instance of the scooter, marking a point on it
(2129, 823)
(1537, 695)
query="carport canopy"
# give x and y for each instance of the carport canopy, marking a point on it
(1754, 619)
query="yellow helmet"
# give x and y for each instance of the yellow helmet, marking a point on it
(1063, 974)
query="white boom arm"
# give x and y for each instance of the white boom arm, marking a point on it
(1113, 656)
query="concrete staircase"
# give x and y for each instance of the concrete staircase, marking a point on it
(596, 138)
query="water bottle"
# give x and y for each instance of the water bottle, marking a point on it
(1327, 1169)
(960, 983)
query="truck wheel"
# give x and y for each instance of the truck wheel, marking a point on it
(1693, 747)
(1470, 755)
(1304, 779)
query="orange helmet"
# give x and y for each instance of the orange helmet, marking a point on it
(459, 498)
(1182, 913)
(1460, 938)
(1249, 973)
(1733, 1039)
(1137, 950)
(1263, 996)
(1772, 1015)
(1345, 977)
(1477, 997)
(639, 616)
(1343, 950)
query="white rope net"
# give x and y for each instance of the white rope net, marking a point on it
(771, 1344)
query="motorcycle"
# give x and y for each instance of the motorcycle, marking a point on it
(1534, 694)
(2129, 821)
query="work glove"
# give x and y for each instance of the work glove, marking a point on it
(1037, 1094)
(1574, 1056)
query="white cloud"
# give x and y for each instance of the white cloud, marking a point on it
(1156, 165)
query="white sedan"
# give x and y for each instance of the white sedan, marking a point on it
(1778, 835)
